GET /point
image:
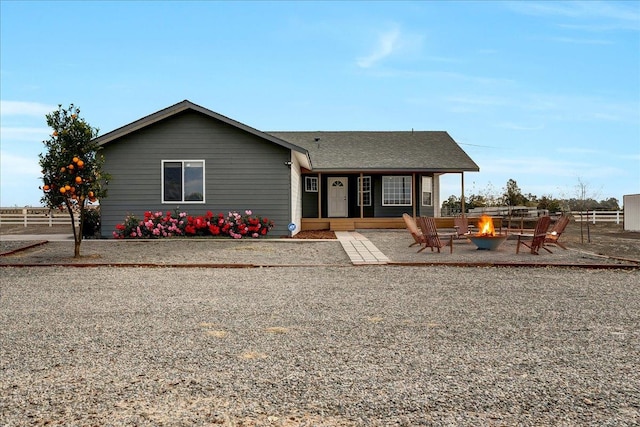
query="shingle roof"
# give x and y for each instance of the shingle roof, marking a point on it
(421, 151)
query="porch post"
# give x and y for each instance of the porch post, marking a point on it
(415, 197)
(320, 195)
(462, 207)
(361, 187)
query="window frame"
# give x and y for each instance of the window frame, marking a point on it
(311, 184)
(422, 190)
(365, 192)
(405, 178)
(182, 182)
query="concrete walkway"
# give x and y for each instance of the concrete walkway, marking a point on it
(360, 249)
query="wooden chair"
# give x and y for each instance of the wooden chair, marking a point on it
(461, 224)
(431, 237)
(535, 241)
(556, 231)
(413, 229)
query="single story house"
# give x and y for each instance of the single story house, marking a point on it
(192, 159)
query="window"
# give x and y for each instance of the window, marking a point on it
(366, 191)
(311, 184)
(427, 191)
(396, 190)
(183, 181)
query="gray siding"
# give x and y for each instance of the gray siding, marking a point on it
(242, 171)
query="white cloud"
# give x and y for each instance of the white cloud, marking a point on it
(23, 134)
(598, 15)
(386, 45)
(13, 165)
(22, 108)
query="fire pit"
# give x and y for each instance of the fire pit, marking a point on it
(488, 243)
(486, 238)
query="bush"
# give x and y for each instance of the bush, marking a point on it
(157, 225)
(91, 222)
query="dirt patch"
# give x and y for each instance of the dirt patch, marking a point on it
(603, 238)
(315, 234)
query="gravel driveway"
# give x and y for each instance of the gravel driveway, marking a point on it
(322, 346)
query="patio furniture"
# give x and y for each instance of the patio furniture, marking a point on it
(431, 237)
(556, 231)
(535, 241)
(461, 224)
(413, 229)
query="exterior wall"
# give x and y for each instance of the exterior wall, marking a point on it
(376, 210)
(296, 192)
(242, 171)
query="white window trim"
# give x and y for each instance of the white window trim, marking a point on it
(410, 190)
(309, 185)
(191, 202)
(430, 178)
(365, 178)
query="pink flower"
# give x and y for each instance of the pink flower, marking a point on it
(248, 212)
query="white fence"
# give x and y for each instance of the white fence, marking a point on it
(35, 216)
(599, 216)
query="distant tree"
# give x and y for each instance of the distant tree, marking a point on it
(452, 206)
(477, 201)
(610, 204)
(512, 195)
(549, 203)
(71, 169)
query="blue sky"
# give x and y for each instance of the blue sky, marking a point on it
(546, 93)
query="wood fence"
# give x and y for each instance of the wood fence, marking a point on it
(599, 216)
(35, 216)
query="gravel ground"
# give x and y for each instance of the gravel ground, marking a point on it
(323, 346)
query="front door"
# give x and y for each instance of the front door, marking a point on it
(337, 201)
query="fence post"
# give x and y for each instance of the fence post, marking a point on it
(617, 217)
(50, 218)
(594, 216)
(24, 213)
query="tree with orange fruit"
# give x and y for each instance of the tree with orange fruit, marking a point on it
(71, 168)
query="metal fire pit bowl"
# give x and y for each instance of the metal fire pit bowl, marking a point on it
(488, 243)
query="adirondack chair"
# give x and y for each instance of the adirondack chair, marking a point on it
(431, 236)
(413, 229)
(556, 231)
(535, 241)
(461, 224)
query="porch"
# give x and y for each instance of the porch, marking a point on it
(350, 224)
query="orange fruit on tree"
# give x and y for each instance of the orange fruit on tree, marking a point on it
(75, 160)
(63, 190)
(72, 190)
(46, 188)
(63, 169)
(70, 167)
(55, 133)
(78, 180)
(80, 164)
(67, 187)
(90, 193)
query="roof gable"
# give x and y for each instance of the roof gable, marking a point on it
(428, 151)
(184, 106)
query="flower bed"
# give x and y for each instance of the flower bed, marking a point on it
(156, 225)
